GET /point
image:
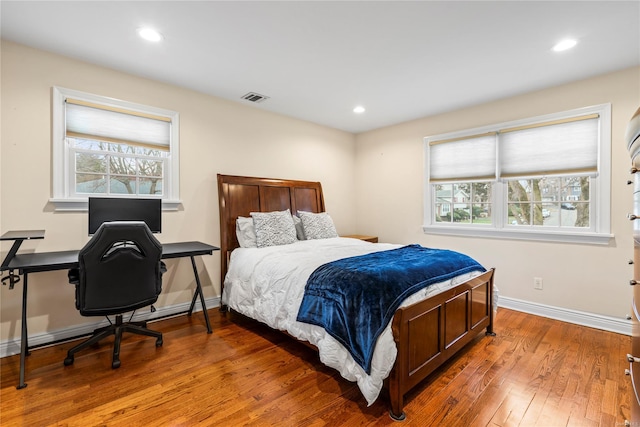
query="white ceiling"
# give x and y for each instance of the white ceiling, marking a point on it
(317, 60)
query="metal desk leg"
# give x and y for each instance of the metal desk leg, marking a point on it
(24, 345)
(195, 295)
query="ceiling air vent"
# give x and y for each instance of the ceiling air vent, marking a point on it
(254, 97)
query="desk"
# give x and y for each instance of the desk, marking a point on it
(64, 260)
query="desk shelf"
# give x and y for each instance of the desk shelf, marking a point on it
(18, 236)
(23, 235)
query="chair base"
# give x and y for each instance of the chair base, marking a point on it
(115, 329)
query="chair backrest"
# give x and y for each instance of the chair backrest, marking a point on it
(119, 269)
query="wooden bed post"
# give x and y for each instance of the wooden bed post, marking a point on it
(396, 393)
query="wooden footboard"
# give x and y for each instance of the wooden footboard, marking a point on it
(429, 332)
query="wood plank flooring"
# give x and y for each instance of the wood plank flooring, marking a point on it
(535, 372)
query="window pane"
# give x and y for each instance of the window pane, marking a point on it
(520, 194)
(536, 215)
(481, 196)
(520, 213)
(519, 190)
(461, 213)
(550, 214)
(150, 168)
(443, 191)
(549, 189)
(575, 188)
(88, 162)
(574, 214)
(481, 192)
(122, 165)
(481, 213)
(91, 184)
(582, 215)
(122, 185)
(150, 186)
(443, 194)
(443, 212)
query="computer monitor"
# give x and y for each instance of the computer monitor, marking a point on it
(106, 209)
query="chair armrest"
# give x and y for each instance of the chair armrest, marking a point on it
(74, 276)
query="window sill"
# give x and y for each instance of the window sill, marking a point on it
(512, 234)
(79, 205)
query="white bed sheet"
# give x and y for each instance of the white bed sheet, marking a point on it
(267, 284)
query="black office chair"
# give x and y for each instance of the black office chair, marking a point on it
(119, 271)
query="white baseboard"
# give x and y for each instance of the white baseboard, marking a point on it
(598, 321)
(11, 347)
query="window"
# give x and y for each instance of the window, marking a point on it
(545, 178)
(108, 147)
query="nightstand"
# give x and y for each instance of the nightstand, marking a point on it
(372, 239)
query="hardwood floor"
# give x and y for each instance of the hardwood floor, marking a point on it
(535, 372)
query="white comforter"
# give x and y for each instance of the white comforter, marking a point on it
(267, 284)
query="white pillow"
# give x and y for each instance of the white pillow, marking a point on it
(274, 228)
(245, 232)
(317, 225)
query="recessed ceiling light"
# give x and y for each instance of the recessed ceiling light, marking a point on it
(359, 109)
(149, 34)
(564, 45)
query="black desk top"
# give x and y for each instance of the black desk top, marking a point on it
(64, 260)
(182, 249)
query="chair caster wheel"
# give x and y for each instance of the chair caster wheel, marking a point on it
(68, 361)
(115, 364)
(159, 342)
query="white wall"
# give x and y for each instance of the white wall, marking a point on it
(383, 168)
(216, 136)
(591, 279)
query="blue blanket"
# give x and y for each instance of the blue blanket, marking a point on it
(355, 298)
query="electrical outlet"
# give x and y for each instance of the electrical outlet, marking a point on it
(537, 283)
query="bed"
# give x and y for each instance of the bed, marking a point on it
(425, 331)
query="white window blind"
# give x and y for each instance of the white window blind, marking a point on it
(567, 147)
(467, 158)
(533, 175)
(91, 121)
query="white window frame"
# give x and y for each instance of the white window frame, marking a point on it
(600, 186)
(64, 198)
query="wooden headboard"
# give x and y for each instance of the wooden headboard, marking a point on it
(241, 195)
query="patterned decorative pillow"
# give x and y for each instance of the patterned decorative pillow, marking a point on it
(245, 232)
(317, 225)
(274, 228)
